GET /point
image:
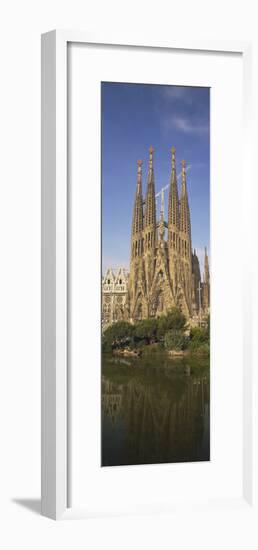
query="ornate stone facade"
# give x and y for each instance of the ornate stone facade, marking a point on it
(114, 296)
(164, 271)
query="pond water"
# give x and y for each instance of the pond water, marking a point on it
(155, 410)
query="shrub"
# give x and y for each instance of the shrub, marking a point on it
(199, 339)
(162, 327)
(199, 335)
(174, 320)
(120, 333)
(203, 348)
(175, 340)
(119, 330)
(146, 329)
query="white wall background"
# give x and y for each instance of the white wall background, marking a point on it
(22, 22)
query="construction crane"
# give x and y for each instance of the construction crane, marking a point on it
(163, 189)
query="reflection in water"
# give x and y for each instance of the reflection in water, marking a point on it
(154, 410)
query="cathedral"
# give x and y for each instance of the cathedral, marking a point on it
(164, 270)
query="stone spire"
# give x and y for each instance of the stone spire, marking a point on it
(185, 243)
(137, 226)
(173, 202)
(206, 268)
(150, 203)
(161, 219)
(206, 284)
(196, 273)
(185, 224)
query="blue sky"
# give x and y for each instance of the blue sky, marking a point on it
(135, 116)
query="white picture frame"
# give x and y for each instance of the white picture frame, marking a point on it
(55, 380)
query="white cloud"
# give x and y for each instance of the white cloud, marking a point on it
(187, 126)
(175, 93)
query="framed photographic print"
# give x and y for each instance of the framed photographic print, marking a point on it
(155, 303)
(146, 174)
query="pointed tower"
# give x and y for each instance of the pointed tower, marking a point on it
(137, 225)
(173, 223)
(185, 224)
(150, 225)
(206, 284)
(173, 202)
(150, 208)
(196, 282)
(206, 268)
(185, 242)
(136, 302)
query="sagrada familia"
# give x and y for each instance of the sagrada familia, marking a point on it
(164, 270)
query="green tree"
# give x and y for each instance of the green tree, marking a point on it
(198, 334)
(162, 327)
(175, 340)
(173, 320)
(146, 329)
(118, 334)
(199, 339)
(176, 319)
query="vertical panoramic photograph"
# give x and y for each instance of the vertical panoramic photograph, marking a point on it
(155, 286)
